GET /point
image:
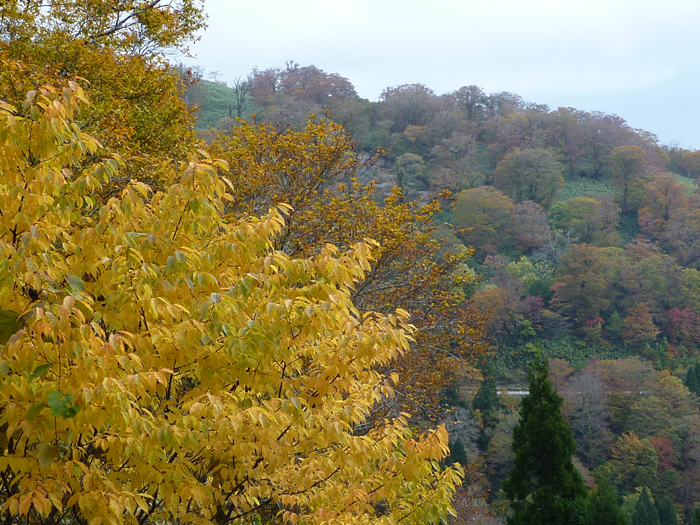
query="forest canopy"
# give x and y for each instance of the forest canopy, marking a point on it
(584, 239)
(268, 300)
(178, 341)
(163, 363)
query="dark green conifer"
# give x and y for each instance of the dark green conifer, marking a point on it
(486, 398)
(644, 511)
(602, 507)
(614, 324)
(689, 378)
(543, 486)
(486, 401)
(458, 452)
(692, 379)
(666, 511)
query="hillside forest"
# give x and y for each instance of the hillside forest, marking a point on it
(269, 301)
(584, 238)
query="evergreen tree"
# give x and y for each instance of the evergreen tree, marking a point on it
(486, 399)
(484, 439)
(543, 486)
(450, 397)
(689, 378)
(602, 507)
(645, 512)
(458, 452)
(666, 511)
(695, 519)
(692, 380)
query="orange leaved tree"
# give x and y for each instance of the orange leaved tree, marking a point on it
(118, 49)
(314, 170)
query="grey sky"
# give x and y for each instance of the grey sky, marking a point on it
(639, 59)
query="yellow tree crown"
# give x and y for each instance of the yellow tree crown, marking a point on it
(161, 364)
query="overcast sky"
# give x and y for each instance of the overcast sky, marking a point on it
(639, 59)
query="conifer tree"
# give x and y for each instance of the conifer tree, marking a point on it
(486, 398)
(692, 380)
(458, 453)
(695, 519)
(645, 512)
(602, 507)
(543, 486)
(486, 401)
(666, 512)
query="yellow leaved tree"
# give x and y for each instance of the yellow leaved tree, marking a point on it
(162, 364)
(119, 49)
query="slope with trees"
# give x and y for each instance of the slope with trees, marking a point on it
(572, 232)
(173, 350)
(584, 238)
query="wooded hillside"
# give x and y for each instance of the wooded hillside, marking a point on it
(584, 233)
(272, 301)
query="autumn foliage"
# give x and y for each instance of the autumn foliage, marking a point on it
(115, 48)
(167, 364)
(315, 171)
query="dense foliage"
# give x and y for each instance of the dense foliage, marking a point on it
(117, 48)
(167, 364)
(584, 233)
(186, 339)
(195, 340)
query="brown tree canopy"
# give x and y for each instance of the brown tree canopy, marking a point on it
(531, 174)
(314, 170)
(629, 170)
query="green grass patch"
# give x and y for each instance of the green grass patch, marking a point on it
(215, 106)
(583, 187)
(690, 185)
(578, 352)
(509, 365)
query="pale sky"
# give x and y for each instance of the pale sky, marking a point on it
(639, 59)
